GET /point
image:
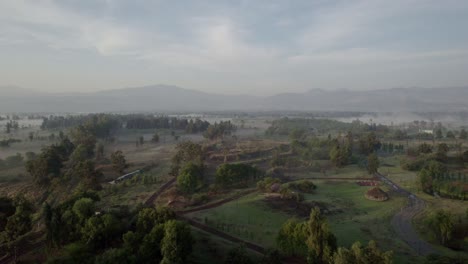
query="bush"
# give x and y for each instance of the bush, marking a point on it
(266, 184)
(199, 198)
(304, 186)
(231, 175)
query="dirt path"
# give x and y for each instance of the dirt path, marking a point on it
(402, 221)
(218, 203)
(208, 229)
(156, 194)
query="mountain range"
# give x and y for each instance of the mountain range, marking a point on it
(167, 98)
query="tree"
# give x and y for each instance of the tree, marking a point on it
(235, 174)
(8, 128)
(115, 256)
(429, 172)
(190, 177)
(100, 230)
(81, 153)
(47, 165)
(442, 150)
(150, 217)
(438, 133)
(186, 152)
(21, 221)
(441, 225)
(372, 163)
(321, 243)
(369, 143)
(8, 209)
(149, 250)
(425, 148)
(339, 155)
(82, 135)
(84, 208)
(86, 172)
(312, 238)
(399, 135)
(463, 134)
(291, 238)
(155, 138)
(219, 130)
(100, 151)
(176, 245)
(358, 254)
(238, 255)
(450, 135)
(118, 161)
(297, 134)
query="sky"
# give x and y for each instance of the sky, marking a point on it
(259, 47)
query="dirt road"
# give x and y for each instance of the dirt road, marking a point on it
(402, 221)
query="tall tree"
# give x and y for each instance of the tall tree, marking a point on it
(176, 245)
(372, 163)
(190, 177)
(321, 242)
(441, 223)
(118, 161)
(463, 134)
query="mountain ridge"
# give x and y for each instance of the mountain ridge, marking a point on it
(164, 97)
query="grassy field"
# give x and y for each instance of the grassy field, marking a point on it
(351, 217)
(246, 218)
(390, 166)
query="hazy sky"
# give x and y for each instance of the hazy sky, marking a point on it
(259, 47)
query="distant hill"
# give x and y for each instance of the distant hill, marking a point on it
(173, 98)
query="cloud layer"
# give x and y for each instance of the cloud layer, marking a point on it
(258, 47)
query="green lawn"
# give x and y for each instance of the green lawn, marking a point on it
(352, 217)
(245, 218)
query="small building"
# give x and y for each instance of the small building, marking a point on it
(426, 131)
(376, 194)
(125, 177)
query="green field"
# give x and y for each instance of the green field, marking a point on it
(351, 216)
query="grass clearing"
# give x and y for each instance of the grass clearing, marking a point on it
(352, 217)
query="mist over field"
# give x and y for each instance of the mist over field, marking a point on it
(234, 132)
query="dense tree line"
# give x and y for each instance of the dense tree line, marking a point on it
(285, 126)
(102, 125)
(99, 125)
(434, 167)
(219, 130)
(165, 122)
(435, 178)
(446, 229)
(87, 234)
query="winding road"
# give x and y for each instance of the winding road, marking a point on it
(402, 221)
